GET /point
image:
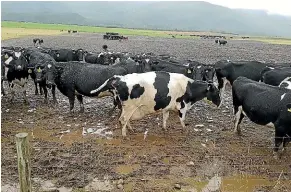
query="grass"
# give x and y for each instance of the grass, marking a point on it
(11, 33)
(90, 29)
(11, 29)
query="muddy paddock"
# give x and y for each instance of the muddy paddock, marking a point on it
(85, 152)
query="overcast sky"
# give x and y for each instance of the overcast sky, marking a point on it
(273, 6)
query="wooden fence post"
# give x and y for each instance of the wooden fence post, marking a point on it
(23, 161)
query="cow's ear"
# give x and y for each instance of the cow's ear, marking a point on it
(288, 107)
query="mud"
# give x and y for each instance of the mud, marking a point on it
(74, 152)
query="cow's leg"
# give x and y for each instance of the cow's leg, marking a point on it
(182, 115)
(278, 140)
(45, 93)
(122, 120)
(80, 99)
(55, 101)
(36, 89)
(24, 88)
(2, 88)
(71, 101)
(165, 118)
(40, 89)
(238, 117)
(12, 91)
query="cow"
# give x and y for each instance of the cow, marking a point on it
(74, 31)
(276, 76)
(146, 93)
(17, 74)
(5, 54)
(222, 41)
(227, 71)
(75, 79)
(65, 55)
(264, 105)
(286, 83)
(69, 31)
(42, 72)
(37, 41)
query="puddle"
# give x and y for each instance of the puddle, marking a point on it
(126, 169)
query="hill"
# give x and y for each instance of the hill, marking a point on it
(186, 16)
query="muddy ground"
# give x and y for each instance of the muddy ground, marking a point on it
(85, 152)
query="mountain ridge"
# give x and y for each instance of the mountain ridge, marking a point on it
(186, 16)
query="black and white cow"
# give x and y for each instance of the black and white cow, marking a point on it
(17, 74)
(286, 83)
(263, 104)
(146, 93)
(276, 75)
(228, 71)
(37, 41)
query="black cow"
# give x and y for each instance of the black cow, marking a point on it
(65, 55)
(74, 31)
(276, 76)
(43, 70)
(222, 41)
(17, 73)
(264, 105)
(228, 71)
(78, 79)
(161, 65)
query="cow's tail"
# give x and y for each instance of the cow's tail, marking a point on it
(105, 86)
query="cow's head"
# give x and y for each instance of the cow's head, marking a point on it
(17, 61)
(208, 73)
(45, 72)
(79, 54)
(213, 94)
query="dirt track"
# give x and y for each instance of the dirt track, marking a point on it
(161, 160)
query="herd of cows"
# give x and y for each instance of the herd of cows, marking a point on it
(145, 83)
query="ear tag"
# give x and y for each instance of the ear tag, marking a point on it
(6, 56)
(29, 71)
(189, 71)
(289, 110)
(39, 70)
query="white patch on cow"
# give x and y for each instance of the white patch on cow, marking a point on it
(282, 96)
(147, 60)
(271, 68)
(58, 55)
(6, 71)
(286, 83)
(117, 60)
(270, 125)
(222, 90)
(49, 66)
(18, 66)
(17, 54)
(199, 67)
(187, 64)
(228, 60)
(8, 60)
(100, 54)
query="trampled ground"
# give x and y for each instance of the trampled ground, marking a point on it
(64, 158)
